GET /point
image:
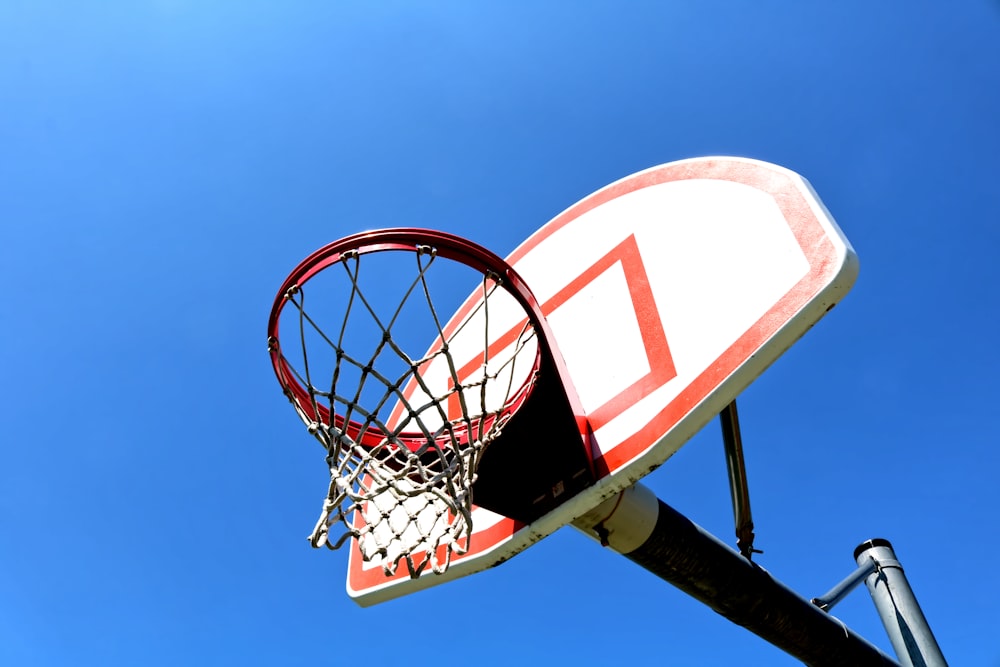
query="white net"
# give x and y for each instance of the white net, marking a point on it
(404, 433)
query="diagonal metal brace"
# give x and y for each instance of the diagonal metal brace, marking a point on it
(738, 488)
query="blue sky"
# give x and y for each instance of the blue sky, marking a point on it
(164, 164)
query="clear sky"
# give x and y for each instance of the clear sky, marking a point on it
(164, 164)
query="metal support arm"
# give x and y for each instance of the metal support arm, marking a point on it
(652, 534)
(738, 487)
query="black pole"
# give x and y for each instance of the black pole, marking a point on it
(691, 559)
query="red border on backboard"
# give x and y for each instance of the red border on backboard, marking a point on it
(654, 339)
(661, 363)
(787, 191)
(804, 225)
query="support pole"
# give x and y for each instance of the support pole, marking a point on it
(840, 591)
(738, 488)
(904, 622)
(650, 533)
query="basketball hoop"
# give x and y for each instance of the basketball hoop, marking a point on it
(406, 434)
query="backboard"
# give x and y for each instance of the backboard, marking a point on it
(667, 293)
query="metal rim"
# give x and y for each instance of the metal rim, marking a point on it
(448, 246)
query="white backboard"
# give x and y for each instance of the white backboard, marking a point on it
(668, 292)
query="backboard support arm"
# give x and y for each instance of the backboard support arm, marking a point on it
(738, 488)
(664, 542)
